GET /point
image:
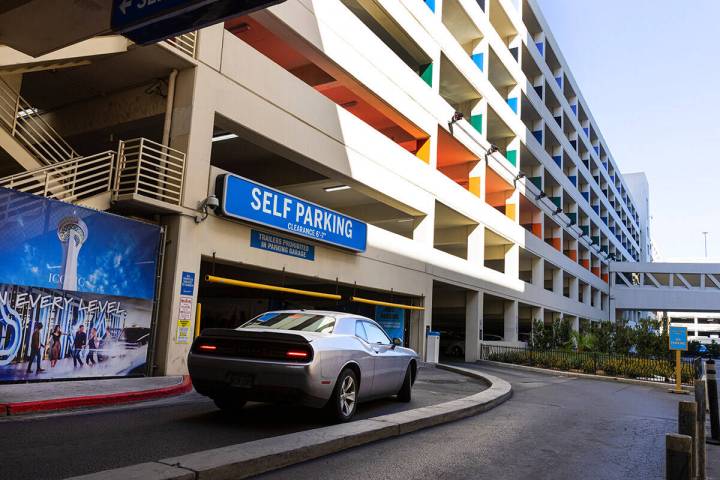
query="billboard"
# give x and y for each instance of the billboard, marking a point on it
(77, 289)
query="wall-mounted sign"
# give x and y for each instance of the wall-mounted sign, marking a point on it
(392, 319)
(148, 21)
(278, 244)
(187, 283)
(678, 338)
(247, 200)
(77, 288)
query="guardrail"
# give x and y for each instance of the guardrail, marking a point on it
(661, 370)
(151, 170)
(69, 181)
(186, 43)
(26, 125)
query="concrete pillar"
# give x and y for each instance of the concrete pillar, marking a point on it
(596, 299)
(510, 321)
(538, 272)
(424, 231)
(574, 288)
(557, 280)
(512, 261)
(476, 245)
(473, 324)
(574, 323)
(586, 293)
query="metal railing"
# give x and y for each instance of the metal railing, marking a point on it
(69, 181)
(186, 43)
(26, 125)
(149, 169)
(659, 369)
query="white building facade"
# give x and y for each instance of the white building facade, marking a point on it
(452, 129)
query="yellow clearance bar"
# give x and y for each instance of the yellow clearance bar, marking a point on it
(262, 286)
(385, 304)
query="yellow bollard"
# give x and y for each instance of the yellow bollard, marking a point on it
(198, 316)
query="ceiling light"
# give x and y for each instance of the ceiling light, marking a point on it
(337, 188)
(404, 220)
(225, 136)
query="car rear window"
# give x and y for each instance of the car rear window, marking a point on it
(305, 322)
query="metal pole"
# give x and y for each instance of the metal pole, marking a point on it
(705, 234)
(713, 402)
(700, 444)
(687, 425)
(678, 457)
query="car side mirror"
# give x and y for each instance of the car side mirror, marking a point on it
(396, 342)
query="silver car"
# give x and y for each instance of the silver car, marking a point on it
(314, 358)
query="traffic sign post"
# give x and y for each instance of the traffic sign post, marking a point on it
(678, 342)
(149, 21)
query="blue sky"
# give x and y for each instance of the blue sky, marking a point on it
(118, 257)
(649, 72)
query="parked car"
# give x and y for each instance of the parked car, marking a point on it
(314, 358)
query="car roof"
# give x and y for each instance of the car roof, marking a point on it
(328, 313)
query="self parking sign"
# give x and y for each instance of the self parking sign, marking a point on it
(678, 338)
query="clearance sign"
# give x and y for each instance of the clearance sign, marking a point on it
(244, 199)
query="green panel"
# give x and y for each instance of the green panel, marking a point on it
(511, 155)
(556, 201)
(585, 229)
(537, 181)
(476, 122)
(595, 239)
(426, 73)
(572, 217)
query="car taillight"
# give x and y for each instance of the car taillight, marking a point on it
(297, 354)
(207, 348)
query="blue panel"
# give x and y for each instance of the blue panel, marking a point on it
(586, 195)
(558, 120)
(597, 149)
(187, 283)
(558, 160)
(513, 103)
(604, 220)
(514, 53)
(574, 109)
(541, 47)
(559, 81)
(596, 208)
(538, 134)
(479, 59)
(587, 131)
(574, 144)
(244, 199)
(678, 338)
(392, 320)
(587, 164)
(283, 245)
(430, 4)
(605, 165)
(573, 179)
(539, 90)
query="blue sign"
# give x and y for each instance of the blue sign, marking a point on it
(187, 284)
(678, 338)
(148, 21)
(392, 319)
(278, 244)
(246, 200)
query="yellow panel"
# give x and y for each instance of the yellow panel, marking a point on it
(474, 185)
(511, 211)
(423, 152)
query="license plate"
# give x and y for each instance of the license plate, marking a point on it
(240, 380)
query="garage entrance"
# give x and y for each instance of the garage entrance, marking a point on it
(229, 306)
(449, 314)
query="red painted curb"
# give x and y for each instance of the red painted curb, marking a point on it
(96, 400)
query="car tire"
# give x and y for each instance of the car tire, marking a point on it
(405, 393)
(229, 404)
(457, 351)
(343, 402)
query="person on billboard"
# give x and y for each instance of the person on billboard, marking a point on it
(78, 345)
(35, 347)
(55, 337)
(92, 347)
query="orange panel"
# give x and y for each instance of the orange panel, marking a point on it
(537, 230)
(595, 271)
(605, 277)
(556, 243)
(585, 262)
(572, 254)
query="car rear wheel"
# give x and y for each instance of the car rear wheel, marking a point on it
(229, 404)
(343, 402)
(405, 393)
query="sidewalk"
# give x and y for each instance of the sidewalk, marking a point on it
(22, 398)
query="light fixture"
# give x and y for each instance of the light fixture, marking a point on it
(405, 220)
(350, 104)
(541, 195)
(493, 149)
(224, 136)
(336, 188)
(457, 116)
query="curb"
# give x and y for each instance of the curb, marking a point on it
(253, 458)
(588, 376)
(54, 404)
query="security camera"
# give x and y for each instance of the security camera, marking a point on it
(212, 202)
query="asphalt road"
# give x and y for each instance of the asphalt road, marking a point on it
(74, 443)
(553, 428)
